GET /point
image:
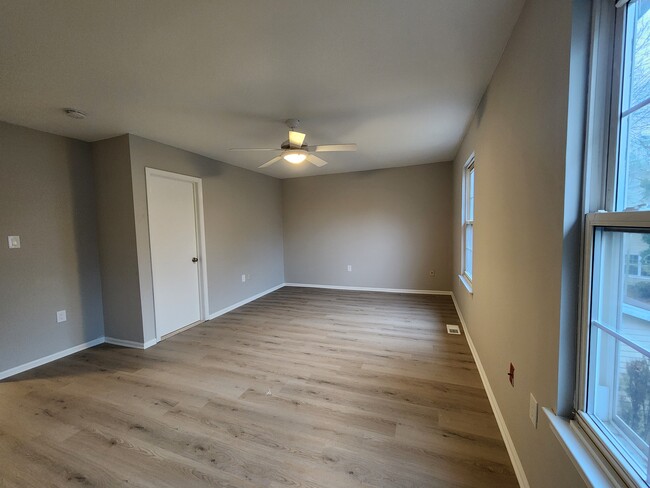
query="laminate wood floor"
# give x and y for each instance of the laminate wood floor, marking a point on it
(302, 388)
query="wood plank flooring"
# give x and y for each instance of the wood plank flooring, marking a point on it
(302, 388)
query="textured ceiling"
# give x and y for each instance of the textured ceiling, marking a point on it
(400, 78)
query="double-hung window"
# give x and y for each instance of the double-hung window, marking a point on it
(613, 401)
(467, 254)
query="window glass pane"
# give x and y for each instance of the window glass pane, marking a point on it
(619, 365)
(470, 203)
(620, 403)
(469, 249)
(634, 161)
(633, 174)
(637, 59)
(621, 292)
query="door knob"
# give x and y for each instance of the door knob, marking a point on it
(194, 260)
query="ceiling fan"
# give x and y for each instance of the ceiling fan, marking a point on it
(295, 151)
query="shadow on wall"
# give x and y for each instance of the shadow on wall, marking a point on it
(86, 251)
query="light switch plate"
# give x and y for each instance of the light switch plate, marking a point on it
(14, 242)
(243, 278)
(61, 316)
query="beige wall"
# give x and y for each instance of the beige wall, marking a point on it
(392, 225)
(47, 198)
(243, 225)
(117, 249)
(519, 134)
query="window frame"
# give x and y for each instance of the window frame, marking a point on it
(601, 184)
(467, 220)
(605, 220)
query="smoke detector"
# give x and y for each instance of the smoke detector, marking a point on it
(74, 113)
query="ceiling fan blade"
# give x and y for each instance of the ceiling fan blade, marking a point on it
(269, 163)
(296, 139)
(254, 149)
(315, 160)
(332, 147)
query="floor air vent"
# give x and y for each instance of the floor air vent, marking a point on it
(453, 329)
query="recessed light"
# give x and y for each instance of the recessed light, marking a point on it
(74, 113)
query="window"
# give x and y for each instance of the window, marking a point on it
(467, 252)
(613, 401)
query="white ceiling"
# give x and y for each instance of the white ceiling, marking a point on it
(401, 78)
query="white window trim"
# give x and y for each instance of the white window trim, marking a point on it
(465, 279)
(466, 283)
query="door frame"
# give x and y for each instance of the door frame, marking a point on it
(197, 185)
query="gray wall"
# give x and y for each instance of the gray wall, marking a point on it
(46, 197)
(519, 134)
(243, 225)
(392, 225)
(117, 243)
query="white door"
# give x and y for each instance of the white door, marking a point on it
(173, 233)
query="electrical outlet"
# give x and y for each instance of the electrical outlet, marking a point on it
(61, 316)
(349, 267)
(533, 410)
(511, 375)
(14, 242)
(243, 278)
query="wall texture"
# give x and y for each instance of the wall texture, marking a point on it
(519, 134)
(392, 225)
(117, 244)
(47, 198)
(243, 225)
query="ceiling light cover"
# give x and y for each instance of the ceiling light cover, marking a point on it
(295, 157)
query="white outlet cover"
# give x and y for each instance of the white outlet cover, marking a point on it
(14, 242)
(533, 410)
(349, 267)
(61, 316)
(453, 329)
(243, 278)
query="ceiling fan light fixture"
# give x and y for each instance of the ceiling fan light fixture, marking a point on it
(294, 157)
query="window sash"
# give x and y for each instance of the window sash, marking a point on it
(621, 221)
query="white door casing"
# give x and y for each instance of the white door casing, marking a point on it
(176, 238)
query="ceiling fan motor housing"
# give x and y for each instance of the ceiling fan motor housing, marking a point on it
(292, 123)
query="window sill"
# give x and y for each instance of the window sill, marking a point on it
(582, 454)
(467, 283)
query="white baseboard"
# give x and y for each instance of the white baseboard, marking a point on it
(244, 302)
(48, 359)
(365, 288)
(132, 344)
(510, 446)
